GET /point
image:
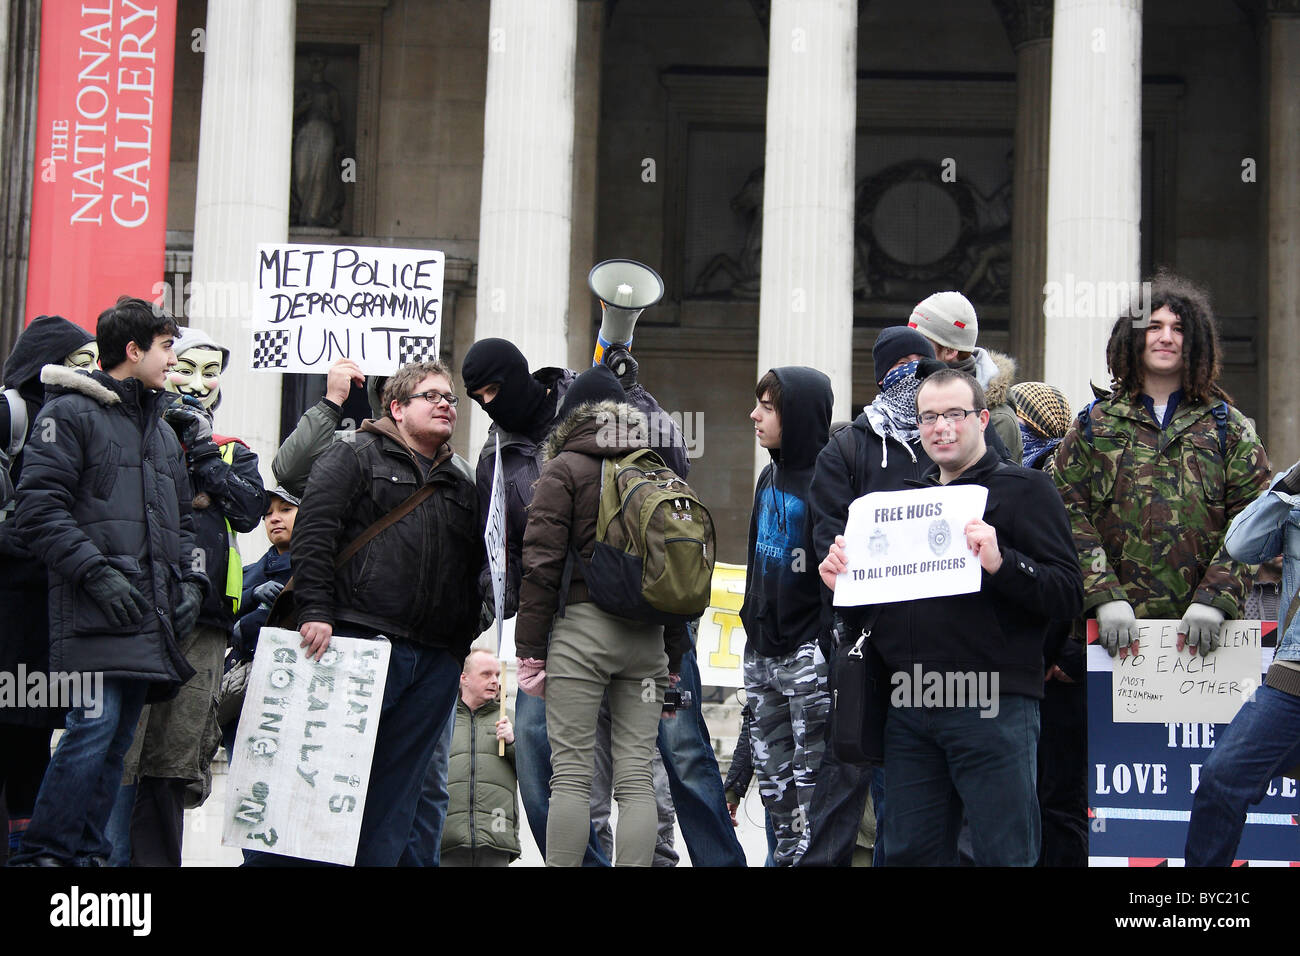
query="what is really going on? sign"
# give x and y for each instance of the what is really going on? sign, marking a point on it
(315, 304)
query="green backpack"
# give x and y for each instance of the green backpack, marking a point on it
(654, 552)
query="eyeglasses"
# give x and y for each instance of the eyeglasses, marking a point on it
(433, 397)
(954, 415)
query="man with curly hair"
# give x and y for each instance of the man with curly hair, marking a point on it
(1153, 474)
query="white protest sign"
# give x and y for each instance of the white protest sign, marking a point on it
(906, 545)
(494, 536)
(1160, 684)
(313, 305)
(301, 760)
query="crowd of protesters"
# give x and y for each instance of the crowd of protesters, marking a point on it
(118, 557)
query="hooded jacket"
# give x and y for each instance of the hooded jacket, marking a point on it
(782, 608)
(562, 513)
(110, 488)
(24, 585)
(48, 340)
(413, 581)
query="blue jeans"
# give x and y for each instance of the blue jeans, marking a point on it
(939, 760)
(1262, 741)
(82, 780)
(119, 825)
(533, 768)
(419, 698)
(425, 845)
(696, 782)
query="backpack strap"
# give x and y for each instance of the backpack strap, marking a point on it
(1290, 613)
(357, 543)
(1219, 410)
(387, 521)
(1220, 413)
(1085, 420)
(850, 457)
(566, 579)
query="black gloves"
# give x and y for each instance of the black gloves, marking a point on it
(620, 361)
(122, 604)
(187, 612)
(193, 427)
(265, 594)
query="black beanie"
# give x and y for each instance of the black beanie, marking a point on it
(895, 342)
(520, 399)
(597, 384)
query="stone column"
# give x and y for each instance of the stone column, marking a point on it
(1283, 308)
(245, 141)
(805, 313)
(586, 161)
(526, 210)
(19, 59)
(1093, 186)
(1029, 28)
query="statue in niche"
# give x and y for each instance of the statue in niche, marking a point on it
(990, 276)
(868, 282)
(317, 195)
(744, 270)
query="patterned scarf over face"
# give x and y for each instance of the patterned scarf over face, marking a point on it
(893, 413)
(1044, 414)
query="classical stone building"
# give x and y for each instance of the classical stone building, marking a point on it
(800, 172)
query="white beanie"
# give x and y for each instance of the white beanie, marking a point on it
(948, 319)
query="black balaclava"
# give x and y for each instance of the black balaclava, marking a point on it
(521, 400)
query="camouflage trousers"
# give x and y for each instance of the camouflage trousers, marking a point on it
(791, 707)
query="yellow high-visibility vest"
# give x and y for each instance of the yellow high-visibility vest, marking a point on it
(234, 563)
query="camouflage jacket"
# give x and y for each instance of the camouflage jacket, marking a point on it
(1149, 508)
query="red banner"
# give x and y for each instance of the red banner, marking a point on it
(103, 144)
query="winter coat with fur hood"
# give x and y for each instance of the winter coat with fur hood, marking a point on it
(996, 373)
(521, 465)
(104, 483)
(563, 512)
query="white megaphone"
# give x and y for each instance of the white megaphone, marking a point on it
(625, 288)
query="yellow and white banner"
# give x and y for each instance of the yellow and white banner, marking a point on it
(721, 638)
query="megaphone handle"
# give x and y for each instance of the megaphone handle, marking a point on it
(602, 345)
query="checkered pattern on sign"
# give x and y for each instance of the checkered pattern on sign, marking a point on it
(271, 349)
(416, 348)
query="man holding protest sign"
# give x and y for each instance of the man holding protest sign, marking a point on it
(413, 582)
(1153, 474)
(941, 754)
